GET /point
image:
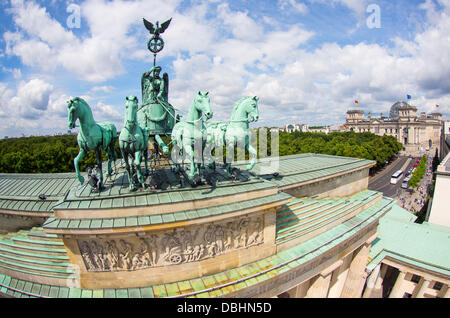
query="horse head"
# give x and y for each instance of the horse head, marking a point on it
(131, 108)
(202, 104)
(252, 109)
(247, 109)
(73, 106)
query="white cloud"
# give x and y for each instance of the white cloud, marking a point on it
(104, 89)
(299, 7)
(358, 7)
(32, 98)
(232, 53)
(43, 42)
(240, 24)
(5, 96)
(16, 72)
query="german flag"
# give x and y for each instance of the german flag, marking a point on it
(437, 106)
(356, 102)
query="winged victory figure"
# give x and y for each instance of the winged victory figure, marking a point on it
(156, 31)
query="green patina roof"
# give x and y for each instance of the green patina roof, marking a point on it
(306, 167)
(315, 214)
(424, 245)
(292, 170)
(54, 223)
(117, 194)
(214, 285)
(20, 192)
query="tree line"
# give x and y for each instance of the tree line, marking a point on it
(348, 144)
(56, 153)
(51, 154)
(418, 173)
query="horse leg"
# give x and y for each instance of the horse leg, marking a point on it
(145, 147)
(111, 157)
(137, 164)
(190, 152)
(145, 161)
(76, 162)
(176, 157)
(254, 154)
(229, 157)
(98, 154)
(133, 168)
(127, 166)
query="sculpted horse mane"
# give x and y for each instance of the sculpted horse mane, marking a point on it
(238, 104)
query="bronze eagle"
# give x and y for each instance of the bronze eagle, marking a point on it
(158, 29)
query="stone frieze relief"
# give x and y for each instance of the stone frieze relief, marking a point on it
(171, 248)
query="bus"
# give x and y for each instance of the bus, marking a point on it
(396, 176)
(405, 182)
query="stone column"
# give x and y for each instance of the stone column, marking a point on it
(379, 282)
(356, 277)
(447, 293)
(371, 281)
(339, 277)
(444, 290)
(398, 289)
(319, 286)
(301, 290)
(421, 287)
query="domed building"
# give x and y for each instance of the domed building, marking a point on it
(417, 133)
(394, 111)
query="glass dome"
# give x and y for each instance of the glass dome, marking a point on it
(393, 113)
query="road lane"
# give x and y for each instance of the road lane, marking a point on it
(382, 183)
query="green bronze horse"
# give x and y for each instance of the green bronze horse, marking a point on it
(236, 131)
(133, 141)
(92, 136)
(191, 130)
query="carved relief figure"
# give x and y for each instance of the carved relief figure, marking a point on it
(125, 254)
(153, 248)
(241, 239)
(112, 255)
(219, 238)
(229, 236)
(97, 252)
(256, 231)
(172, 248)
(85, 253)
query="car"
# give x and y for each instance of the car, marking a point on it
(416, 164)
(418, 160)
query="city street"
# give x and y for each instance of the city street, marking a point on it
(381, 181)
(411, 200)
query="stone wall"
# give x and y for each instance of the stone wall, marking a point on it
(176, 254)
(336, 186)
(14, 223)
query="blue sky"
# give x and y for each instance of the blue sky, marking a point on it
(306, 60)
